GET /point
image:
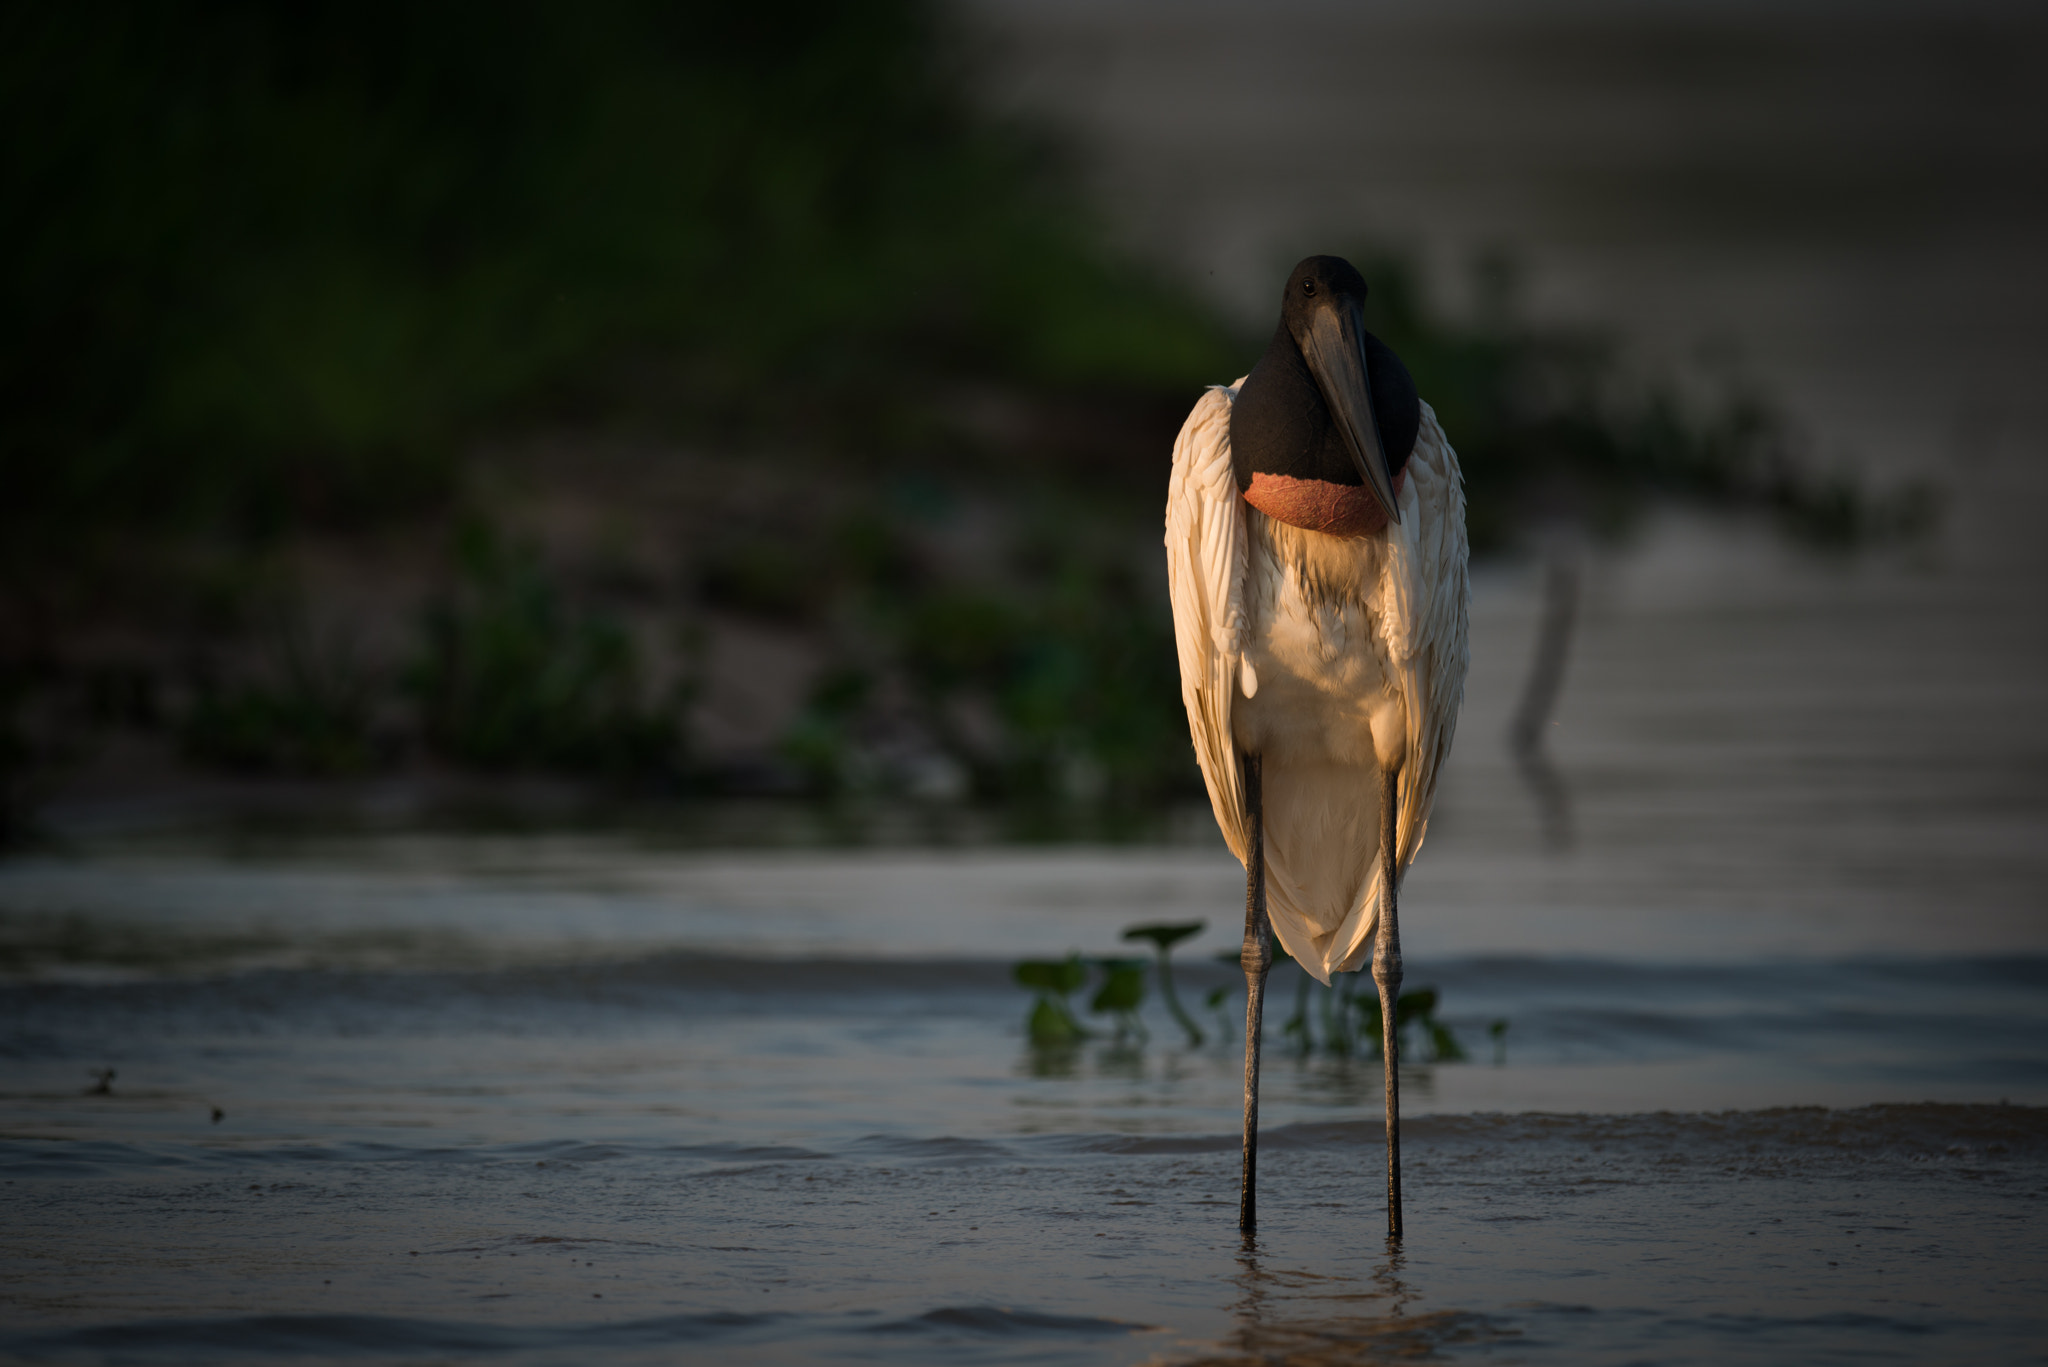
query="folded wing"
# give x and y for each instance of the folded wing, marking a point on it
(1427, 637)
(1205, 565)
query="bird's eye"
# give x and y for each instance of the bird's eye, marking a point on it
(1308, 287)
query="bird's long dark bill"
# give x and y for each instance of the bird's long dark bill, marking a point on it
(1335, 352)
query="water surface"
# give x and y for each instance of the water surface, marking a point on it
(590, 1140)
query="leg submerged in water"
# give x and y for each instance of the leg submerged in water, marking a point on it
(1257, 958)
(1386, 972)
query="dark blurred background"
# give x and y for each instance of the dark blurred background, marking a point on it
(660, 403)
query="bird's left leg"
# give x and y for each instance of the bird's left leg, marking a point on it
(1257, 958)
(1386, 972)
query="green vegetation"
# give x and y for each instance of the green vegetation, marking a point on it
(511, 677)
(279, 273)
(1216, 999)
(1121, 994)
(310, 712)
(272, 263)
(1164, 937)
(1046, 681)
(278, 276)
(1414, 1012)
(1350, 1019)
(1343, 1022)
(1051, 1023)
(1346, 1016)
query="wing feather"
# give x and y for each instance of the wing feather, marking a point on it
(1206, 565)
(1434, 631)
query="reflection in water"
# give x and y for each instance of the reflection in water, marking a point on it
(1539, 696)
(1339, 1083)
(1121, 1059)
(1051, 1060)
(1295, 1316)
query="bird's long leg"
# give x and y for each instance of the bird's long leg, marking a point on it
(1257, 958)
(1386, 971)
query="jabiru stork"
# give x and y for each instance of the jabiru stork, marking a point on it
(1316, 548)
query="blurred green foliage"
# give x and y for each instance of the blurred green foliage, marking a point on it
(1051, 1024)
(1414, 1013)
(311, 712)
(512, 677)
(1121, 994)
(1350, 1018)
(1050, 678)
(1080, 673)
(264, 262)
(1164, 936)
(1348, 1011)
(1338, 1020)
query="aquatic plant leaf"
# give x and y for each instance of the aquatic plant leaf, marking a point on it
(1123, 988)
(1052, 1024)
(1041, 975)
(1165, 934)
(1419, 1004)
(1059, 976)
(1444, 1045)
(1369, 1024)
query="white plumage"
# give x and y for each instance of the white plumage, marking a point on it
(1328, 656)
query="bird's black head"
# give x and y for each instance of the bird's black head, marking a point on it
(1323, 426)
(1319, 280)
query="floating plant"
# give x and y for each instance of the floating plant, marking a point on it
(1121, 993)
(1413, 1009)
(1214, 1001)
(1338, 1020)
(1164, 937)
(1349, 1018)
(1051, 1021)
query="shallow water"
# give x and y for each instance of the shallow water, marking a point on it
(679, 1156)
(590, 1140)
(1801, 1235)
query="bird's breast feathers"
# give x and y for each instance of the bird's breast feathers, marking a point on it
(1314, 638)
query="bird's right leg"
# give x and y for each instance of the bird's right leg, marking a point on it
(1386, 974)
(1257, 958)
